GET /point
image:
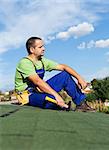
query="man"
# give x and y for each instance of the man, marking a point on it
(33, 90)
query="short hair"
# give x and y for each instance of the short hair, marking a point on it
(30, 43)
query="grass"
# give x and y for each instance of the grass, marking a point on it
(32, 128)
(99, 106)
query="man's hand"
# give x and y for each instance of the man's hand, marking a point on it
(82, 84)
(60, 101)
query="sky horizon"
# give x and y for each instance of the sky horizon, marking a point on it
(75, 33)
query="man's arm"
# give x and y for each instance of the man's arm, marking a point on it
(80, 80)
(44, 87)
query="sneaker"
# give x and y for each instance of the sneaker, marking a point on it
(84, 107)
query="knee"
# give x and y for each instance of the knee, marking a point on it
(65, 73)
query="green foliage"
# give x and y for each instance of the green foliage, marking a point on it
(91, 97)
(100, 88)
(100, 91)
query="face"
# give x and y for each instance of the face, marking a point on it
(38, 49)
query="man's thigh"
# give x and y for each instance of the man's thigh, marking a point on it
(41, 100)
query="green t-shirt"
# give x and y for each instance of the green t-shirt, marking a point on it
(25, 68)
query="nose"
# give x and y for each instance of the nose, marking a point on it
(43, 48)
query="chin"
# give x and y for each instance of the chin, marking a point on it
(40, 57)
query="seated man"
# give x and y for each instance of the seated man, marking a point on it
(33, 90)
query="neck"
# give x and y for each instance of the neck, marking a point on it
(34, 58)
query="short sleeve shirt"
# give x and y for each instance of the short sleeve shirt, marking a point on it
(25, 68)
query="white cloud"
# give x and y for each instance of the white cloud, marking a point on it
(25, 18)
(20, 19)
(94, 44)
(41, 19)
(82, 45)
(88, 45)
(102, 43)
(63, 35)
(49, 39)
(91, 44)
(77, 31)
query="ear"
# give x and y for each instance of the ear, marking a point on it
(31, 50)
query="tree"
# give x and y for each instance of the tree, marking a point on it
(101, 88)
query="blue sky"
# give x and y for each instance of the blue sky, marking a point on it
(76, 32)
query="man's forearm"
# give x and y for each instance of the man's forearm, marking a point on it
(81, 82)
(69, 70)
(72, 72)
(44, 87)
